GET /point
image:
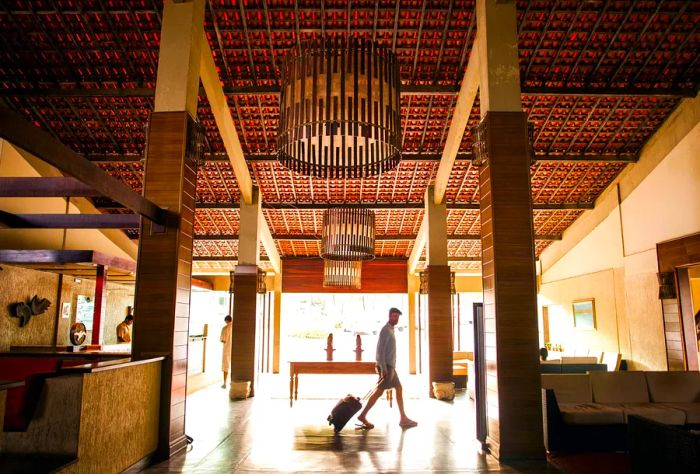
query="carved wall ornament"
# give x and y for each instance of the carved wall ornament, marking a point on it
(25, 311)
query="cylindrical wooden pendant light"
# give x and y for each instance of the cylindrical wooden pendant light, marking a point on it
(340, 110)
(348, 234)
(342, 274)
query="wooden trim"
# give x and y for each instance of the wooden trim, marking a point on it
(68, 221)
(41, 144)
(45, 187)
(95, 367)
(65, 256)
(378, 276)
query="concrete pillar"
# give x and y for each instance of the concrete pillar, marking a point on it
(514, 407)
(162, 299)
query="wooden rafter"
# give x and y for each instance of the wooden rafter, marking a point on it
(45, 187)
(41, 144)
(68, 221)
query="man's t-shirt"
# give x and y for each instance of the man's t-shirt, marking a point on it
(386, 348)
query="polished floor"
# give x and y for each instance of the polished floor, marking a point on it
(266, 434)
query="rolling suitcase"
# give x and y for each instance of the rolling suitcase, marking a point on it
(346, 409)
(343, 411)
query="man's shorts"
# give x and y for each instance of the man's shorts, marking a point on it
(390, 380)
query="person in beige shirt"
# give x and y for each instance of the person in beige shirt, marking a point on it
(124, 329)
(226, 355)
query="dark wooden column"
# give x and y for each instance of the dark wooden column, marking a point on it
(510, 301)
(162, 300)
(439, 325)
(100, 304)
(245, 314)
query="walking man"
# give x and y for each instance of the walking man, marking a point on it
(386, 366)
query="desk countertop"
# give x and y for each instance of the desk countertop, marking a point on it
(5, 384)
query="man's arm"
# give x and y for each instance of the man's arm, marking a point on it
(381, 351)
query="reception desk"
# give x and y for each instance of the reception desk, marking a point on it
(326, 367)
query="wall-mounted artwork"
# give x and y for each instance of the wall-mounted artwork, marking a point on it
(584, 314)
(65, 310)
(25, 311)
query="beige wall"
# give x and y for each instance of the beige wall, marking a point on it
(20, 284)
(610, 252)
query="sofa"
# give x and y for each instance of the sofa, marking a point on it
(571, 365)
(590, 411)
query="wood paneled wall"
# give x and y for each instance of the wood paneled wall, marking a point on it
(162, 299)
(439, 325)
(245, 323)
(679, 328)
(378, 276)
(510, 302)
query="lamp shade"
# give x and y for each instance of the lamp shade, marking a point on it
(342, 274)
(348, 234)
(340, 110)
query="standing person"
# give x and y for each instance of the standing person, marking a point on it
(226, 340)
(124, 329)
(386, 366)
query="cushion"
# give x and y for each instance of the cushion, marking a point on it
(680, 387)
(619, 387)
(551, 362)
(569, 388)
(653, 411)
(691, 410)
(591, 414)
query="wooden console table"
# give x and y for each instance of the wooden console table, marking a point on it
(326, 367)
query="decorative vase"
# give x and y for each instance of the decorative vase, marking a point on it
(240, 390)
(444, 390)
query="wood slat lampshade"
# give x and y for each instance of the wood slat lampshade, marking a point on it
(340, 110)
(348, 234)
(342, 274)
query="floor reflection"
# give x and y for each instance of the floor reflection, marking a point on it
(266, 434)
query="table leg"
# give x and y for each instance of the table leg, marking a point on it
(291, 388)
(296, 386)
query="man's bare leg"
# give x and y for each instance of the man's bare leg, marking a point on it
(225, 377)
(405, 421)
(376, 393)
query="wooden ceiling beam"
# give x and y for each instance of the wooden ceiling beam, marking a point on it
(406, 90)
(386, 206)
(460, 117)
(461, 156)
(45, 187)
(68, 221)
(378, 238)
(66, 257)
(41, 144)
(227, 129)
(224, 121)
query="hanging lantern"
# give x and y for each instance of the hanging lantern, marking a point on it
(340, 110)
(348, 234)
(342, 274)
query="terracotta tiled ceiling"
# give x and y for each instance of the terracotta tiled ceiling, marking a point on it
(598, 79)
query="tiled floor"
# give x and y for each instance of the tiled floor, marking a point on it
(266, 434)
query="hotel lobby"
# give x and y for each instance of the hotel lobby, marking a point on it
(518, 179)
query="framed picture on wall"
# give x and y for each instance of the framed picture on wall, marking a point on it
(65, 310)
(584, 314)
